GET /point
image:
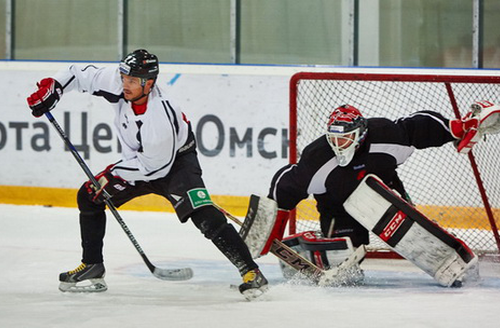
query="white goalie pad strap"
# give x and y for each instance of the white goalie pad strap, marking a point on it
(258, 224)
(408, 232)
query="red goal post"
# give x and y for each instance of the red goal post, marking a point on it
(460, 192)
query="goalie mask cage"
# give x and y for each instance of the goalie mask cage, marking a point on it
(459, 192)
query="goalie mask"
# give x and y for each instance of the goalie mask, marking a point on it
(345, 132)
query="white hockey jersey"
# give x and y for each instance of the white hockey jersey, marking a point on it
(149, 141)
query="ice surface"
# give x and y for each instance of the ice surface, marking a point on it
(36, 243)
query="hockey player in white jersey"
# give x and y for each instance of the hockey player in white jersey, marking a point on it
(158, 156)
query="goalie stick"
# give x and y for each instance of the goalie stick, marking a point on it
(164, 274)
(303, 265)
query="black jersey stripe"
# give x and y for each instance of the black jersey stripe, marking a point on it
(69, 81)
(174, 138)
(168, 107)
(111, 97)
(124, 168)
(172, 156)
(89, 66)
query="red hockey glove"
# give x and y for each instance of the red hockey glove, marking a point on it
(465, 130)
(484, 118)
(111, 183)
(46, 97)
(460, 127)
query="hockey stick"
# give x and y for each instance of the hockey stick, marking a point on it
(318, 275)
(286, 254)
(164, 274)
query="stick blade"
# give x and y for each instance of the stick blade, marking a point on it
(173, 274)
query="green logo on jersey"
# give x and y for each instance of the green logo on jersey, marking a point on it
(199, 197)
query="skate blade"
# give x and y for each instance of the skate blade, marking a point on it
(255, 293)
(87, 286)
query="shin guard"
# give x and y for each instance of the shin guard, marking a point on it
(409, 233)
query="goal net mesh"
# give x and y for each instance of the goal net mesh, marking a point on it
(440, 182)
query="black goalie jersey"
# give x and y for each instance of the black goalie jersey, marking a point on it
(388, 144)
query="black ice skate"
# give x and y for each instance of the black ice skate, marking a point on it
(254, 284)
(85, 278)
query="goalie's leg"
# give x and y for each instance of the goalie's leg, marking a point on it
(413, 236)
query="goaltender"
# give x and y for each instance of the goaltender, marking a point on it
(351, 171)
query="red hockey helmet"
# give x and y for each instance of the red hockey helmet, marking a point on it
(346, 130)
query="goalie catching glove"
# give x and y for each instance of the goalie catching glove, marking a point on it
(46, 97)
(327, 254)
(484, 118)
(112, 184)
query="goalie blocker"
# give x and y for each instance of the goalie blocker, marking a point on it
(410, 234)
(263, 223)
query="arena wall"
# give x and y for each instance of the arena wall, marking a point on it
(239, 114)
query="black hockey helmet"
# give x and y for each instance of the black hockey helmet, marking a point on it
(140, 63)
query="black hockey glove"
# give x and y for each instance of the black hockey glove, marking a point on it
(111, 183)
(46, 97)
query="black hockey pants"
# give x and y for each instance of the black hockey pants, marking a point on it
(184, 177)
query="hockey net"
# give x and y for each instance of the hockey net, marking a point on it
(459, 192)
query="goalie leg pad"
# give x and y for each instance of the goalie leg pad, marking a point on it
(258, 224)
(411, 235)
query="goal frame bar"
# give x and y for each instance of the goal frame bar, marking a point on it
(392, 77)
